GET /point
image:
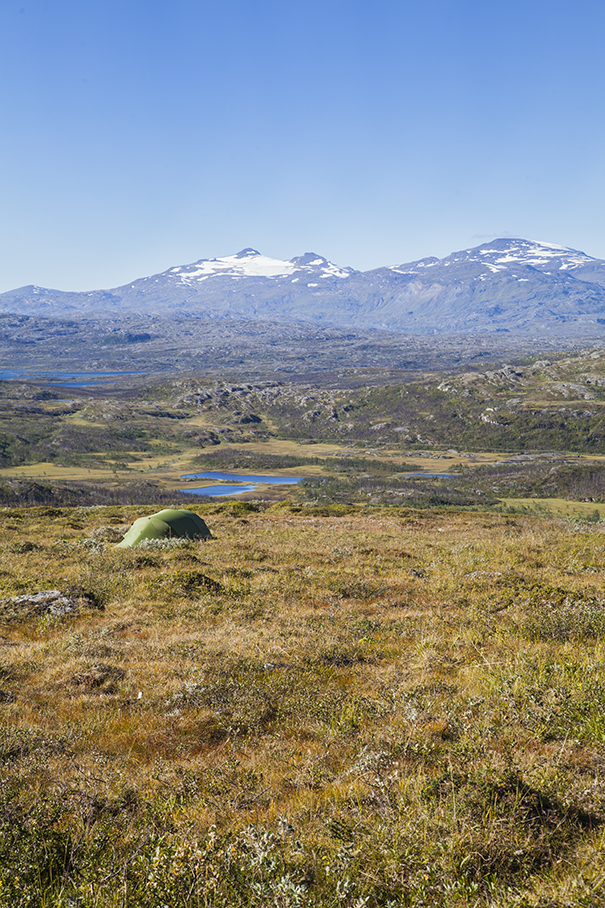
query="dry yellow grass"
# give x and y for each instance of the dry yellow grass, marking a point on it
(555, 507)
(384, 708)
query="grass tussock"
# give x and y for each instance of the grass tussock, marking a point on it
(362, 708)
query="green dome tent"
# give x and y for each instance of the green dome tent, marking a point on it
(166, 524)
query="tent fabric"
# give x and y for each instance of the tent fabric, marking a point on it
(166, 524)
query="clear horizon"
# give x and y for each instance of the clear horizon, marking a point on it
(137, 136)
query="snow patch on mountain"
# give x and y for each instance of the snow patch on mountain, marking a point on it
(321, 267)
(412, 268)
(247, 263)
(528, 252)
(250, 263)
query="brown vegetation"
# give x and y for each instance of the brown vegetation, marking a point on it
(382, 708)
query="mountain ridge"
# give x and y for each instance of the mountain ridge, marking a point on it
(508, 284)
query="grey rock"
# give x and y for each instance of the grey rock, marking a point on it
(46, 602)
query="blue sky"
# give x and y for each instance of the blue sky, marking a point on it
(142, 134)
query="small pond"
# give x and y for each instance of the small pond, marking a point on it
(244, 477)
(215, 491)
(253, 481)
(67, 379)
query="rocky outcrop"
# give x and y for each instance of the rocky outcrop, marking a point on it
(46, 602)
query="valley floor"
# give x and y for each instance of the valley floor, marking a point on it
(372, 689)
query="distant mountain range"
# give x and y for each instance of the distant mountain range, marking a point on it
(510, 285)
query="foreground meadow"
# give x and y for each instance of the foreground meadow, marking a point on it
(353, 707)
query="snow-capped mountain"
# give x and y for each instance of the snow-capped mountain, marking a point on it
(507, 284)
(507, 255)
(250, 263)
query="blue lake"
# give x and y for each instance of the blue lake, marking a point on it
(244, 477)
(226, 490)
(67, 379)
(215, 491)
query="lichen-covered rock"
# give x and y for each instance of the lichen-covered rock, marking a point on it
(46, 602)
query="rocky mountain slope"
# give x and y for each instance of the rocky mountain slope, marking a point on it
(508, 285)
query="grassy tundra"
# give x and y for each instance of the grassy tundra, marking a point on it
(318, 707)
